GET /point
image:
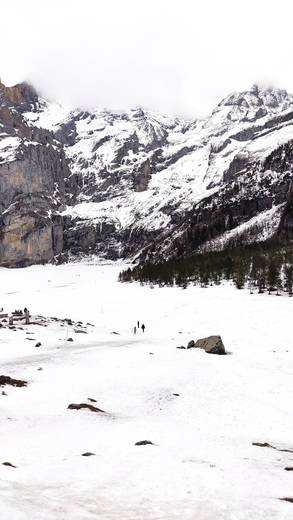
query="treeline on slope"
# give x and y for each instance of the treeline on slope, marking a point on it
(266, 266)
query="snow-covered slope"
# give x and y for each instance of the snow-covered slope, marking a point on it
(138, 179)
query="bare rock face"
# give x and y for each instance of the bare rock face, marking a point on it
(142, 177)
(33, 170)
(20, 95)
(285, 229)
(31, 230)
(211, 345)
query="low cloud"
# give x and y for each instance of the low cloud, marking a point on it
(179, 57)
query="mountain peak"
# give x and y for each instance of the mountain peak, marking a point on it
(253, 104)
(21, 94)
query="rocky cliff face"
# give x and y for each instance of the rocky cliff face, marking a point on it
(33, 171)
(139, 185)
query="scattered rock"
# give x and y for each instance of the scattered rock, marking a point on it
(92, 400)
(30, 339)
(211, 345)
(267, 445)
(38, 344)
(116, 333)
(176, 395)
(287, 499)
(184, 348)
(6, 380)
(262, 444)
(40, 368)
(87, 454)
(143, 443)
(69, 339)
(289, 468)
(8, 464)
(3, 393)
(84, 405)
(90, 324)
(151, 353)
(79, 331)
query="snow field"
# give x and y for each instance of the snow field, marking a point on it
(203, 464)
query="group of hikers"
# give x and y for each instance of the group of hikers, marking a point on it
(18, 313)
(137, 326)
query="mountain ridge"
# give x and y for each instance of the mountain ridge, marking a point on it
(135, 184)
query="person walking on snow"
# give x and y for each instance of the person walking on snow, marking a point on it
(138, 324)
(143, 327)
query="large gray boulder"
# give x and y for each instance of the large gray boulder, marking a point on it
(211, 344)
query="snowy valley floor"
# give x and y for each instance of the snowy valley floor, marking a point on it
(203, 465)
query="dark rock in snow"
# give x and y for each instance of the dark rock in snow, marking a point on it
(87, 454)
(92, 400)
(190, 344)
(211, 345)
(8, 464)
(287, 499)
(69, 339)
(143, 443)
(6, 380)
(262, 444)
(184, 348)
(80, 406)
(267, 445)
(38, 344)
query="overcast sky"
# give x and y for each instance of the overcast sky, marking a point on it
(178, 56)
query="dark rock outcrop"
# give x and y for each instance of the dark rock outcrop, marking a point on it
(6, 380)
(211, 345)
(143, 443)
(9, 464)
(87, 406)
(88, 454)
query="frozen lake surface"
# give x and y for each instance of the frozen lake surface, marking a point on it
(202, 465)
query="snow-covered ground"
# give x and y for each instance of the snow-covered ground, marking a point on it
(203, 465)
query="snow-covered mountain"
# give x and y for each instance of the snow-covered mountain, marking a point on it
(139, 184)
